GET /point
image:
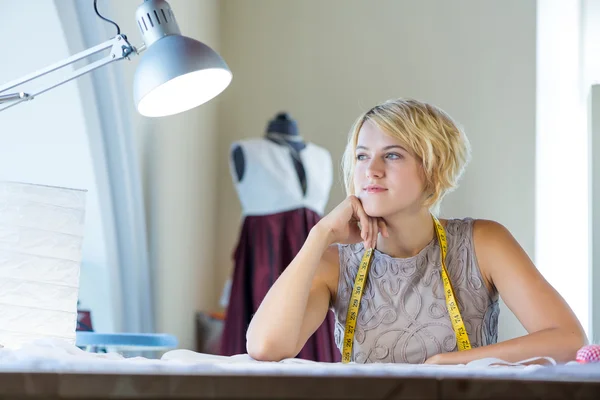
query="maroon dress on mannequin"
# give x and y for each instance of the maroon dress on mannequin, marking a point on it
(277, 217)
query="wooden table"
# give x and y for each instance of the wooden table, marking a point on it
(21, 385)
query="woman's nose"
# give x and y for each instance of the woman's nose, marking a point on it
(374, 169)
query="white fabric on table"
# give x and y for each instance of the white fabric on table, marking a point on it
(61, 357)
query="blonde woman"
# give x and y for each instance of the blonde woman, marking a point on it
(402, 157)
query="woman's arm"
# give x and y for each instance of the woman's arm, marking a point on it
(298, 302)
(553, 330)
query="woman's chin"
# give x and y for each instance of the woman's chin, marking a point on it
(373, 209)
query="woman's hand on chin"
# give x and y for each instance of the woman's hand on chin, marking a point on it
(342, 224)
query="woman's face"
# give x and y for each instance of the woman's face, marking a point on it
(387, 177)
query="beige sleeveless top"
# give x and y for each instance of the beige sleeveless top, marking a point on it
(403, 316)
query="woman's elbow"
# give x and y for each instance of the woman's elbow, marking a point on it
(265, 350)
(579, 339)
(573, 341)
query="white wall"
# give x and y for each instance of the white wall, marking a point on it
(562, 179)
(590, 15)
(45, 141)
(325, 62)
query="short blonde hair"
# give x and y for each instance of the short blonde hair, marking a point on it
(430, 134)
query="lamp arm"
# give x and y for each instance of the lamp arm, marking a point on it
(119, 49)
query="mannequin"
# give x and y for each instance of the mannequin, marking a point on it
(281, 130)
(283, 185)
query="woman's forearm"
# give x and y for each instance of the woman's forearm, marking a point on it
(557, 343)
(274, 330)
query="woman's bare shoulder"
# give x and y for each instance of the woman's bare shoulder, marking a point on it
(492, 241)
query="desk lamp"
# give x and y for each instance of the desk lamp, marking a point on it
(175, 74)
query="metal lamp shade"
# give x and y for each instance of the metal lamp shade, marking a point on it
(177, 73)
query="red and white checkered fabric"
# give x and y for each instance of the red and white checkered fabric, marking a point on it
(590, 353)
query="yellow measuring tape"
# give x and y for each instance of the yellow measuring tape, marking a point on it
(462, 339)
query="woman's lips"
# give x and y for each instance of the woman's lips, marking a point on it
(374, 189)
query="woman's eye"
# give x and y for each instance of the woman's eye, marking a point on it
(393, 156)
(361, 157)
